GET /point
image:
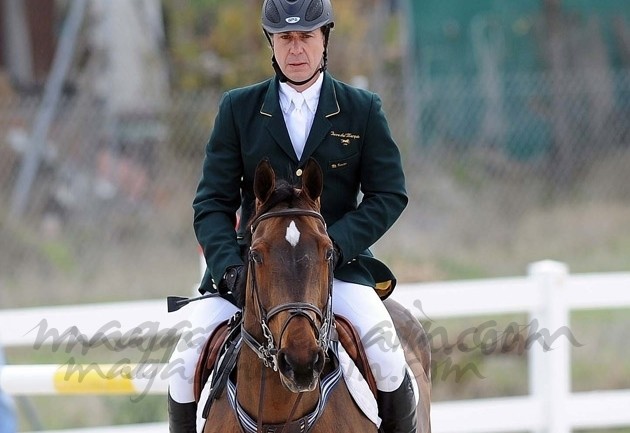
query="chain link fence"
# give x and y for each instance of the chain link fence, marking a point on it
(499, 174)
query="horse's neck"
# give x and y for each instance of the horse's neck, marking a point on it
(277, 401)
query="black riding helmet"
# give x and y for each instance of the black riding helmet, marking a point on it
(280, 16)
(296, 15)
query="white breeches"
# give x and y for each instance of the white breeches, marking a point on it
(359, 304)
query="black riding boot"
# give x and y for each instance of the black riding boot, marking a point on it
(182, 417)
(397, 409)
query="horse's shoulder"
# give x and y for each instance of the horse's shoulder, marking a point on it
(339, 402)
(221, 410)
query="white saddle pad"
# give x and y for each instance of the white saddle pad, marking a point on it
(360, 390)
(358, 387)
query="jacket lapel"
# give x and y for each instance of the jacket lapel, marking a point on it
(328, 106)
(275, 120)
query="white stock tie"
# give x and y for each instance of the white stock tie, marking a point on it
(297, 129)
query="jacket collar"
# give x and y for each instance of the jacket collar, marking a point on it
(328, 106)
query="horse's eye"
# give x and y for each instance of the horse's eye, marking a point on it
(255, 256)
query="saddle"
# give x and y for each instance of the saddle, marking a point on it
(221, 346)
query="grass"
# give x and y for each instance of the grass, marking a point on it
(468, 361)
(597, 364)
(491, 372)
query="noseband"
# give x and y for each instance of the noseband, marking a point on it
(267, 351)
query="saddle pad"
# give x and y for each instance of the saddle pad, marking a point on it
(358, 387)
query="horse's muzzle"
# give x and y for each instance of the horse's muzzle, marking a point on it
(300, 374)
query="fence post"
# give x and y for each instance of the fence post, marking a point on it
(549, 349)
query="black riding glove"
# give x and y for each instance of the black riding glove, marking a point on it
(233, 281)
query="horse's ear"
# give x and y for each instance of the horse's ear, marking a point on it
(264, 180)
(312, 179)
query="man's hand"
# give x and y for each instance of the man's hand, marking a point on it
(233, 280)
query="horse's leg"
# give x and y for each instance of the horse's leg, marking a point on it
(417, 348)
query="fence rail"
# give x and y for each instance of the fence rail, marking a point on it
(548, 294)
(69, 379)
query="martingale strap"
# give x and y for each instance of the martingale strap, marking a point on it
(303, 424)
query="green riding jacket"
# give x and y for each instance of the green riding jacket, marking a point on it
(364, 184)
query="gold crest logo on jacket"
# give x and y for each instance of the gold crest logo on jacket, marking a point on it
(345, 137)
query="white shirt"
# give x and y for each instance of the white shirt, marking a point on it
(299, 122)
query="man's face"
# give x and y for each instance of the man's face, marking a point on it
(299, 54)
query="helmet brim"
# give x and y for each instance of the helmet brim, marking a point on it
(295, 27)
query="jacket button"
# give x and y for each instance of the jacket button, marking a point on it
(298, 172)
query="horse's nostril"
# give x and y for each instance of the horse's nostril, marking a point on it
(318, 361)
(283, 362)
(289, 365)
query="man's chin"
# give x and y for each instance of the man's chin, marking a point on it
(301, 76)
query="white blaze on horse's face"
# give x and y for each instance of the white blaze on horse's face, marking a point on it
(293, 234)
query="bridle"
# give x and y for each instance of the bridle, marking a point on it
(268, 351)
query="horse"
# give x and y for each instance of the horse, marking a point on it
(287, 378)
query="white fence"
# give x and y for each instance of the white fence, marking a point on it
(547, 294)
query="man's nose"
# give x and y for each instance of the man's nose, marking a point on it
(296, 46)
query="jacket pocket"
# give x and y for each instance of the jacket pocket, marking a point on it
(343, 164)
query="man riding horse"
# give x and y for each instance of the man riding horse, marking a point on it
(302, 113)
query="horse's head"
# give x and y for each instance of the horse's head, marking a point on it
(288, 310)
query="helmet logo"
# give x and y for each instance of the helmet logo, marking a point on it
(292, 20)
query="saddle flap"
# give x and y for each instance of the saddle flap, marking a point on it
(350, 340)
(209, 356)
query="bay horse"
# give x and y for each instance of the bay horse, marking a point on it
(288, 379)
